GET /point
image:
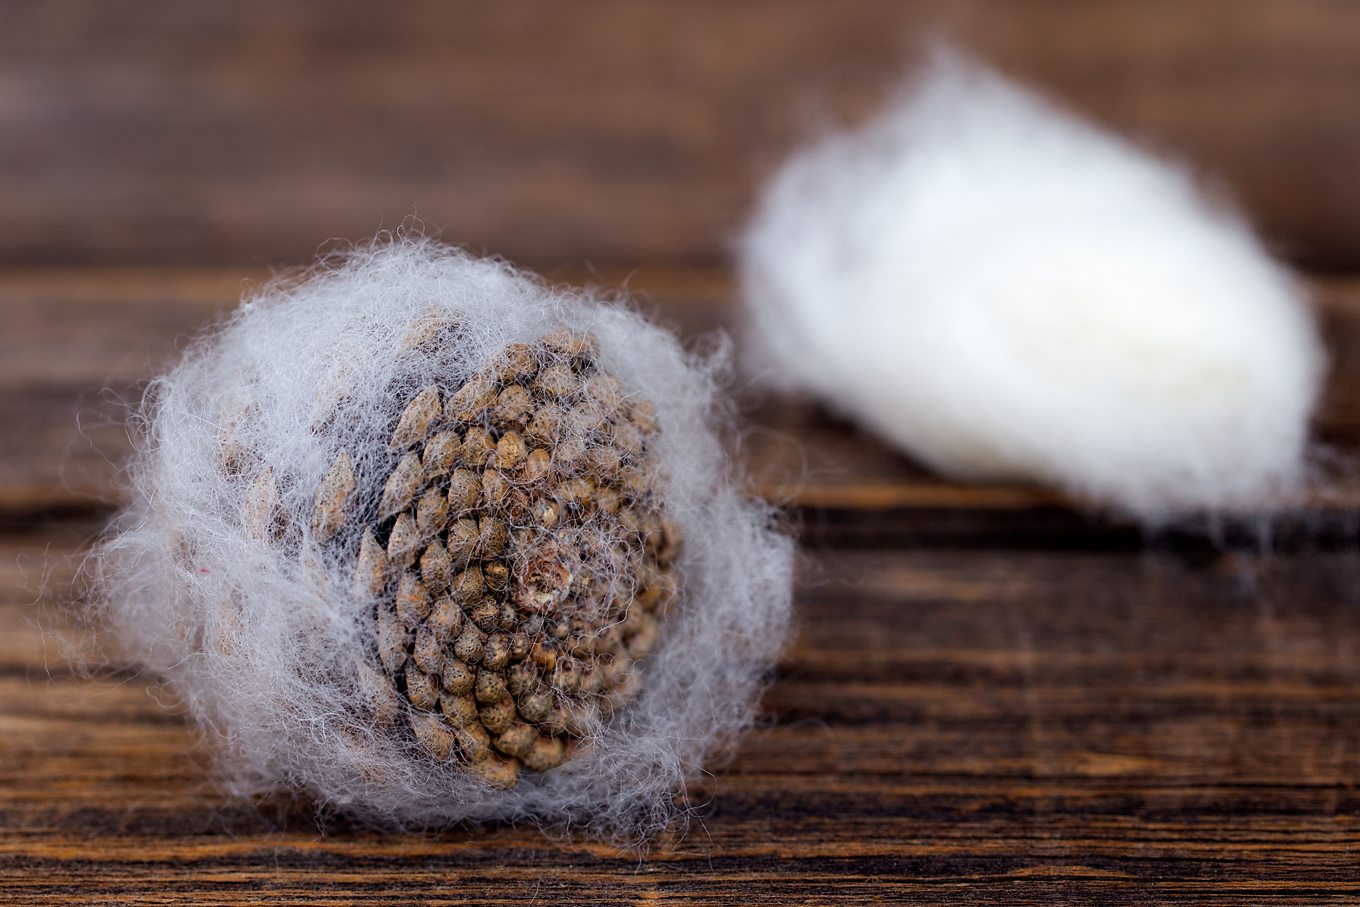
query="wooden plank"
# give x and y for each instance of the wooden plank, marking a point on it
(1015, 727)
(65, 388)
(622, 131)
(79, 346)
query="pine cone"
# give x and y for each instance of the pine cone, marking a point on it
(519, 557)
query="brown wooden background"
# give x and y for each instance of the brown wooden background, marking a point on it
(991, 698)
(615, 131)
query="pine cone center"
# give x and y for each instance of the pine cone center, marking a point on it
(520, 558)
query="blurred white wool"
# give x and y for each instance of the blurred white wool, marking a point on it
(260, 641)
(1008, 293)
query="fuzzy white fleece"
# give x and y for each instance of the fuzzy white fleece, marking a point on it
(259, 638)
(1009, 293)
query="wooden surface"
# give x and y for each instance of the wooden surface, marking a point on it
(990, 699)
(615, 131)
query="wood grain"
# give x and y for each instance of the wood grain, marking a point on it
(951, 726)
(73, 406)
(153, 131)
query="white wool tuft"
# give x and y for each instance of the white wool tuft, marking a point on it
(259, 640)
(1008, 293)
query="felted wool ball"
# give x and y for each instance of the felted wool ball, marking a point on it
(431, 541)
(1009, 293)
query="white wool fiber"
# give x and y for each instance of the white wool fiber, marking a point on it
(258, 639)
(1008, 293)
